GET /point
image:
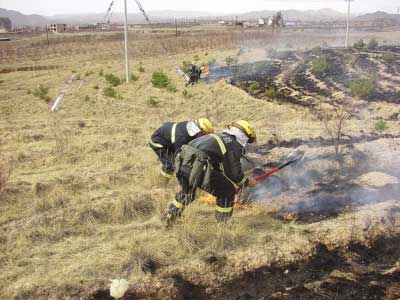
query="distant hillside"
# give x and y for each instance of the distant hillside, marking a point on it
(297, 15)
(378, 17)
(19, 19)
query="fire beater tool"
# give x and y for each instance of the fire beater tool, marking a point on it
(293, 157)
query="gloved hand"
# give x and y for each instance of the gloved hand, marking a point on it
(252, 182)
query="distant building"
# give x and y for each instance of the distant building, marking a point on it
(5, 25)
(93, 27)
(57, 28)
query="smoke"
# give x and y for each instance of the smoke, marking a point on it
(321, 186)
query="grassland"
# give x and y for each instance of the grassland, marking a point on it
(83, 201)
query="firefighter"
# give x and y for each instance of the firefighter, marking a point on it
(194, 74)
(167, 140)
(212, 163)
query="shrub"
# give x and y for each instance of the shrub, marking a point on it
(320, 66)
(360, 44)
(363, 88)
(101, 73)
(78, 77)
(373, 44)
(335, 125)
(380, 126)
(231, 60)
(160, 80)
(96, 87)
(141, 68)
(133, 77)
(196, 58)
(388, 58)
(42, 92)
(152, 101)
(171, 88)
(87, 98)
(186, 94)
(88, 73)
(253, 87)
(112, 79)
(272, 93)
(211, 61)
(317, 51)
(185, 66)
(110, 92)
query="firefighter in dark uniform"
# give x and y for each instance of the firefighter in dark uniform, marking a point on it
(167, 140)
(194, 74)
(199, 163)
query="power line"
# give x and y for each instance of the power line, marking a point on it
(109, 12)
(143, 11)
(112, 12)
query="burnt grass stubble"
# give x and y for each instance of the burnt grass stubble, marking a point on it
(345, 66)
(357, 272)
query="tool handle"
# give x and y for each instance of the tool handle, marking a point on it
(266, 174)
(272, 171)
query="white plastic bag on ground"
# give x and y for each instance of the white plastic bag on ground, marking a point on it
(118, 288)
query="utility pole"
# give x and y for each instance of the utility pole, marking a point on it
(126, 43)
(47, 35)
(348, 22)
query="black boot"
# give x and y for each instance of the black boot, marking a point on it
(170, 215)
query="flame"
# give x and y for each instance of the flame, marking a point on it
(211, 200)
(290, 217)
(208, 199)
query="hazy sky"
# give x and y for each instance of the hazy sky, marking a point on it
(51, 7)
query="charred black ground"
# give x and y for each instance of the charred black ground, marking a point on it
(288, 77)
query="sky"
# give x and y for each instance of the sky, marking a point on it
(53, 7)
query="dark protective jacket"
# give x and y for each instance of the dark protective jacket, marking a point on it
(171, 136)
(194, 71)
(223, 149)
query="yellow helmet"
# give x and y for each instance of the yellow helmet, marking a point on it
(246, 128)
(205, 125)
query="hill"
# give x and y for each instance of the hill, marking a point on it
(19, 19)
(378, 16)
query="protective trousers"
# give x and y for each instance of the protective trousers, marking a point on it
(166, 157)
(219, 186)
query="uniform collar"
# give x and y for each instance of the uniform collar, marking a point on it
(241, 138)
(192, 128)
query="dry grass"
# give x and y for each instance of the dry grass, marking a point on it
(4, 177)
(87, 198)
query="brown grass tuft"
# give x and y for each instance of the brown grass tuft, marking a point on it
(131, 207)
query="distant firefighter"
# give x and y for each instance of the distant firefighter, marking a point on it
(194, 74)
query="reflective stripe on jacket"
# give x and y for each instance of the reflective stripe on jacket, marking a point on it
(171, 136)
